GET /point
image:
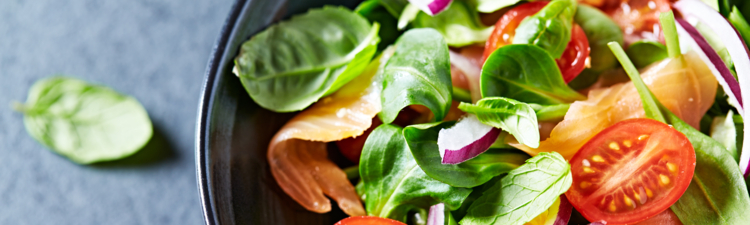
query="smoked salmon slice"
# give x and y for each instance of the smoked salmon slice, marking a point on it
(297, 153)
(685, 86)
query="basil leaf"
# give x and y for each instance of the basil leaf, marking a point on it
(392, 182)
(524, 193)
(489, 6)
(459, 24)
(717, 193)
(374, 12)
(517, 118)
(422, 141)
(724, 131)
(600, 29)
(646, 52)
(294, 63)
(86, 123)
(417, 73)
(550, 28)
(525, 73)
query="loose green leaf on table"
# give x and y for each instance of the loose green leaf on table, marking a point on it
(525, 73)
(418, 73)
(292, 64)
(422, 141)
(646, 52)
(393, 184)
(459, 24)
(524, 193)
(86, 123)
(550, 28)
(517, 118)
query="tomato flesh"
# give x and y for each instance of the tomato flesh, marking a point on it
(368, 220)
(631, 171)
(573, 60)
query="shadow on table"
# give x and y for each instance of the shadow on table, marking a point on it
(158, 149)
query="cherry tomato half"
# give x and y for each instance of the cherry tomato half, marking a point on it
(573, 60)
(631, 171)
(368, 220)
(639, 19)
(505, 28)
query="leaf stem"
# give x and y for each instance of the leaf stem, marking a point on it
(649, 103)
(670, 34)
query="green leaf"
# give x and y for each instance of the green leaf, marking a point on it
(724, 131)
(600, 29)
(517, 118)
(525, 73)
(646, 52)
(374, 12)
(294, 63)
(490, 6)
(550, 112)
(459, 24)
(670, 34)
(524, 193)
(392, 182)
(549, 28)
(417, 73)
(395, 7)
(422, 141)
(717, 194)
(86, 123)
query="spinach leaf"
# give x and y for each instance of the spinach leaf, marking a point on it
(459, 24)
(422, 141)
(524, 193)
(417, 73)
(724, 131)
(392, 182)
(294, 63)
(600, 29)
(489, 6)
(525, 73)
(717, 193)
(646, 52)
(517, 118)
(374, 12)
(86, 123)
(550, 28)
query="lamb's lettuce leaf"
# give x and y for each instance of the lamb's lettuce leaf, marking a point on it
(292, 64)
(525, 73)
(550, 28)
(600, 29)
(393, 184)
(422, 141)
(514, 117)
(524, 193)
(417, 73)
(459, 24)
(646, 52)
(375, 12)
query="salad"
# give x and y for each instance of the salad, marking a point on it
(510, 111)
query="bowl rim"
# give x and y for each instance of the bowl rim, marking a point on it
(213, 70)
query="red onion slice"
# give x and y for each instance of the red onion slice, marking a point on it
(431, 7)
(737, 50)
(465, 140)
(436, 215)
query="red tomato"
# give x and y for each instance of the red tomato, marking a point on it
(631, 171)
(505, 28)
(573, 60)
(639, 19)
(666, 217)
(351, 147)
(368, 220)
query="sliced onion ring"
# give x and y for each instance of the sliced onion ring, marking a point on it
(431, 7)
(465, 140)
(436, 215)
(737, 50)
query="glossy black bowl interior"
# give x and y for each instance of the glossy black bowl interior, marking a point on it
(234, 180)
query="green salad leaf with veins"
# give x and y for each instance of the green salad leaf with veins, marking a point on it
(85, 122)
(292, 64)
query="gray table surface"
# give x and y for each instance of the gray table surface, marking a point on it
(154, 50)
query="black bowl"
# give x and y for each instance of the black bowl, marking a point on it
(233, 132)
